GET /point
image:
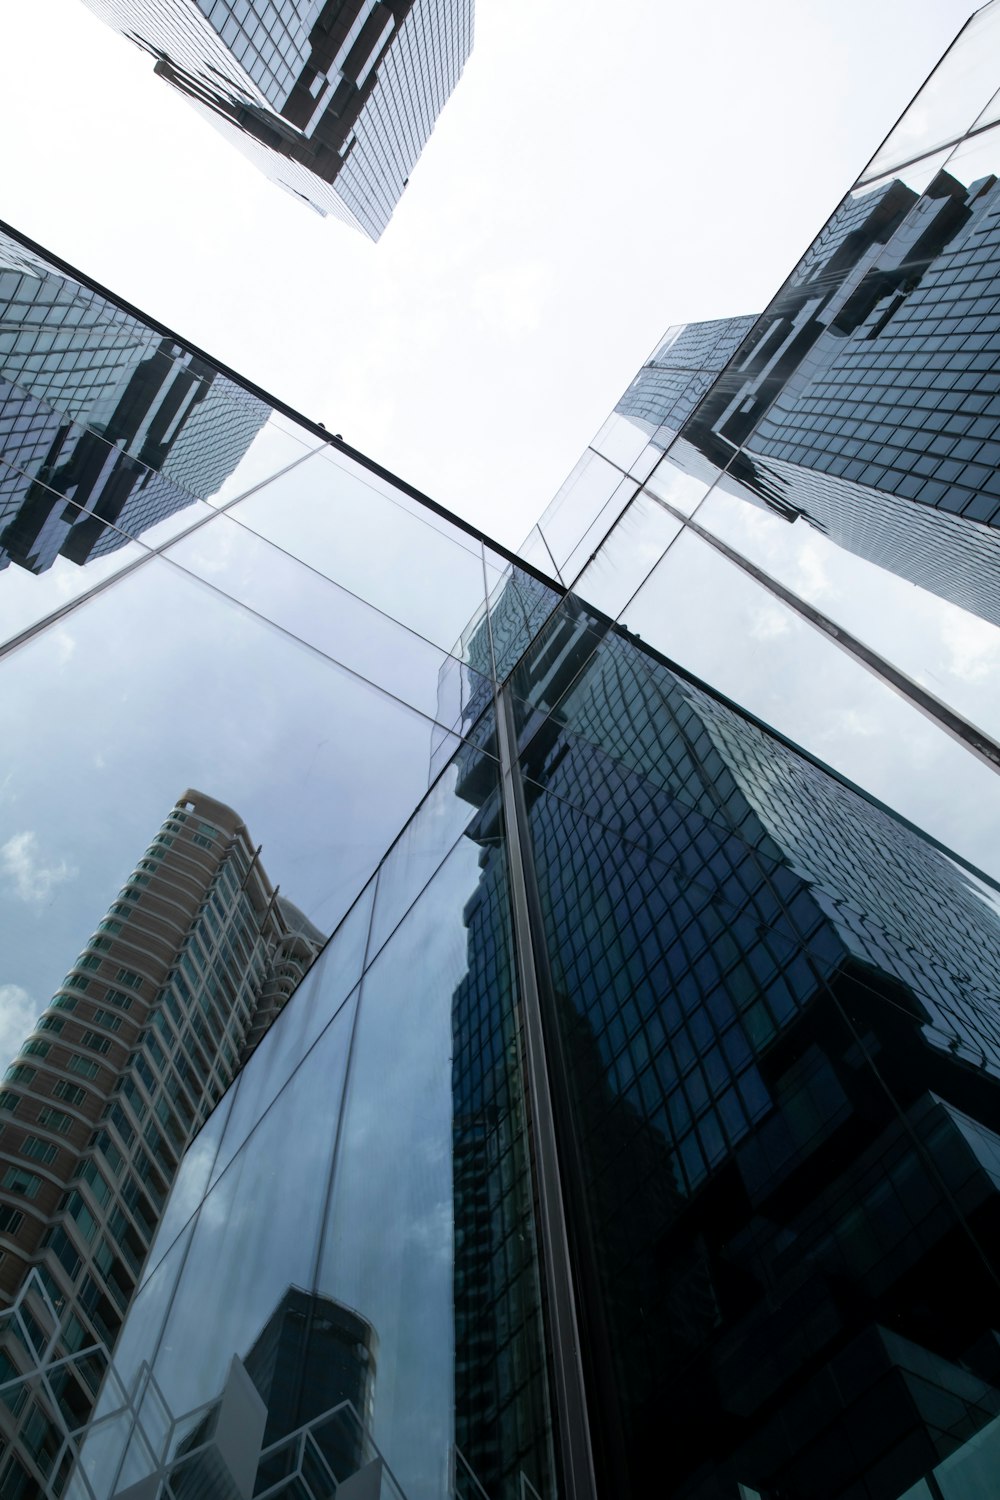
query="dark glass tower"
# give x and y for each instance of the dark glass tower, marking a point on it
(778, 1073)
(334, 101)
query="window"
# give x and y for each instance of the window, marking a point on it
(105, 1018)
(102, 944)
(53, 1023)
(63, 1002)
(116, 997)
(94, 1042)
(201, 841)
(69, 1092)
(10, 1220)
(9, 1100)
(37, 1048)
(17, 1180)
(19, 1073)
(130, 978)
(62, 1247)
(92, 1177)
(109, 925)
(84, 1067)
(78, 981)
(85, 1221)
(55, 1119)
(42, 1151)
(90, 961)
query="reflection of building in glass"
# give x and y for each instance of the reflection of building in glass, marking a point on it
(106, 427)
(646, 1099)
(500, 1376)
(779, 1045)
(130, 1057)
(679, 372)
(865, 398)
(333, 101)
(311, 1355)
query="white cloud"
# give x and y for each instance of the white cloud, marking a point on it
(17, 1016)
(30, 878)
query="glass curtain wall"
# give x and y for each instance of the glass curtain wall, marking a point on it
(637, 1128)
(827, 472)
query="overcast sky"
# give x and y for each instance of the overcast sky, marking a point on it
(599, 173)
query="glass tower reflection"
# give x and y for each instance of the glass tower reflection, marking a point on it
(106, 428)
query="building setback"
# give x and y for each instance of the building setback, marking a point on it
(194, 958)
(335, 101)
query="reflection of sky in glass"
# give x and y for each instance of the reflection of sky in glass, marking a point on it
(959, 90)
(159, 684)
(383, 1242)
(703, 612)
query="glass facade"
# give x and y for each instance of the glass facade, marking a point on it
(614, 1107)
(334, 101)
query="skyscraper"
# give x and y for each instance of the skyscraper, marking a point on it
(194, 958)
(106, 424)
(864, 399)
(335, 101)
(637, 1129)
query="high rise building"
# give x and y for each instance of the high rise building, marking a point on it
(637, 1129)
(864, 399)
(194, 958)
(101, 411)
(334, 101)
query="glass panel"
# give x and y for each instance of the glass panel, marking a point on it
(455, 800)
(678, 373)
(700, 610)
(323, 768)
(278, 444)
(683, 477)
(576, 505)
(595, 535)
(303, 602)
(535, 552)
(194, 1174)
(64, 486)
(621, 440)
(256, 1235)
(107, 1441)
(959, 89)
(953, 652)
(429, 1234)
(519, 606)
(734, 937)
(631, 552)
(317, 1002)
(344, 526)
(28, 597)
